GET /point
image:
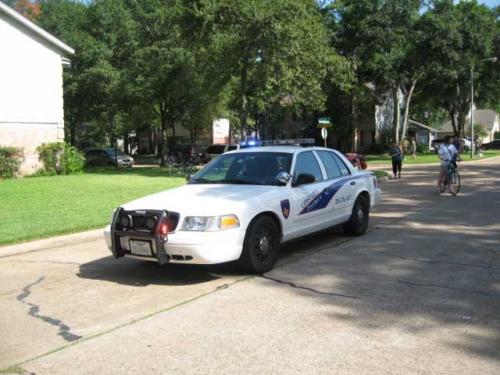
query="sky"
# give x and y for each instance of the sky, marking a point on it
(490, 3)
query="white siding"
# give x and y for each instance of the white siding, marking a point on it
(31, 93)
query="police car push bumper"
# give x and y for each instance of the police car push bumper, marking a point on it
(123, 237)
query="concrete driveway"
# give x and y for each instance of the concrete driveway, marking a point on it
(419, 293)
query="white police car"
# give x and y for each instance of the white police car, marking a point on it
(243, 205)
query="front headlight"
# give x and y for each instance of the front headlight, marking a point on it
(210, 223)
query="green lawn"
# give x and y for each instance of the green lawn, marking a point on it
(38, 207)
(425, 158)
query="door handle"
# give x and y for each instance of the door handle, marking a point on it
(353, 182)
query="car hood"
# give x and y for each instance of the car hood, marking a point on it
(203, 199)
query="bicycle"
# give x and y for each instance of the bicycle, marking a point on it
(452, 179)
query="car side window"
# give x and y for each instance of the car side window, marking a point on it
(343, 168)
(331, 165)
(307, 163)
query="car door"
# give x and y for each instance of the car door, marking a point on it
(306, 206)
(341, 186)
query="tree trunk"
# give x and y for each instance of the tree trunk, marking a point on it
(243, 97)
(460, 124)
(451, 112)
(162, 133)
(407, 110)
(397, 115)
(172, 125)
(126, 143)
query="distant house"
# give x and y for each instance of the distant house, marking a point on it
(488, 118)
(423, 134)
(31, 85)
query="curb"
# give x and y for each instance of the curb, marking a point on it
(50, 243)
(381, 166)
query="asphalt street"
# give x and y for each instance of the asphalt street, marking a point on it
(419, 293)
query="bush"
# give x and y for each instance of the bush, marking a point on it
(422, 148)
(60, 158)
(378, 148)
(10, 161)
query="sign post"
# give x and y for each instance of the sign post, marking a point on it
(324, 134)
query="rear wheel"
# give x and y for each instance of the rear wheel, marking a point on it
(442, 186)
(261, 246)
(358, 222)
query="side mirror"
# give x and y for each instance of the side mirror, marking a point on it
(284, 177)
(189, 176)
(304, 179)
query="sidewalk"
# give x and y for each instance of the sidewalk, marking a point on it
(50, 243)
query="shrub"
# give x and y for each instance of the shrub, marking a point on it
(60, 158)
(422, 148)
(10, 161)
(379, 148)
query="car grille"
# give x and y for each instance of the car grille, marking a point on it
(139, 220)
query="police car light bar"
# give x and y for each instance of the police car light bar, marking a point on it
(295, 142)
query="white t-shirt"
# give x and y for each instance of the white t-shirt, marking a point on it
(447, 153)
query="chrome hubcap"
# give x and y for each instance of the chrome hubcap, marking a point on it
(361, 215)
(264, 245)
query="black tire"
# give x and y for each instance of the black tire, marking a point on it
(454, 183)
(261, 246)
(360, 215)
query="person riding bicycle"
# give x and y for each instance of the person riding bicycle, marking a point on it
(448, 154)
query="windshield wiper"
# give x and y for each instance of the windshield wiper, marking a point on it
(240, 181)
(202, 181)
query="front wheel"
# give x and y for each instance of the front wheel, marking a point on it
(261, 246)
(358, 222)
(454, 182)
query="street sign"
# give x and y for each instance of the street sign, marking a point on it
(324, 122)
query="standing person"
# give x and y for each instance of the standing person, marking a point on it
(397, 159)
(404, 146)
(448, 154)
(413, 148)
(354, 158)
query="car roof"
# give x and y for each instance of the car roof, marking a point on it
(283, 149)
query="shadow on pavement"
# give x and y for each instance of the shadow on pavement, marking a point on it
(143, 273)
(434, 273)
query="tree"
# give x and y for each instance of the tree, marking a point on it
(271, 52)
(455, 39)
(377, 37)
(84, 79)
(29, 9)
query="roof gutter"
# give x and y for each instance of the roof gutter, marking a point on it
(35, 29)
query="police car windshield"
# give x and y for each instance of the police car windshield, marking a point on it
(246, 168)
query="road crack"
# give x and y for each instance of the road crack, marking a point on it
(64, 330)
(293, 285)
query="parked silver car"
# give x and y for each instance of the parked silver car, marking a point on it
(108, 157)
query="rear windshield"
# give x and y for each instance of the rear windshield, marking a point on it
(113, 152)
